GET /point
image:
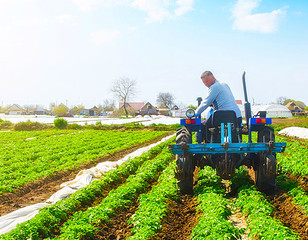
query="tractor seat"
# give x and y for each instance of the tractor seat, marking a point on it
(224, 116)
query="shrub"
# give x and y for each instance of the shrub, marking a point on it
(5, 124)
(30, 126)
(60, 123)
(74, 126)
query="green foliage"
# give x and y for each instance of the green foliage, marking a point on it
(153, 205)
(84, 224)
(60, 111)
(74, 126)
(49, 219)
(294, 159)
(192, 107)
(60, 123)
(30, 126)
(259, 211)
(213, 223)
(5, 124)
(298, 194)
(98, 123)
(24, 161)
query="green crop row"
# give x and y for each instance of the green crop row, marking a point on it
(49, 219)
(295, 158)
(85, 224)
(24, 161)
(259, 213)
(17, 135)
(213, 223)
(153, 205)
(298, 194)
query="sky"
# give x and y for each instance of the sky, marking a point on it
(72, 51)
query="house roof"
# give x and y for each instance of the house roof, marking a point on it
(15, 107)
(135, 105)
(40, 110)
(148, 103)
(293, 104)
(94, 108)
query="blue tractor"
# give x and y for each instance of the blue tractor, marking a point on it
(224, 150)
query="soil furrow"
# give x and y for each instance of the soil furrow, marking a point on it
(180, 220)
(117, 228)
(40, 190)
(290, 214)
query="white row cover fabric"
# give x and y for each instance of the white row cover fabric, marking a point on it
(83, 178)
(295, 132)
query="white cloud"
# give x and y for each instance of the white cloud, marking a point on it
(244, 20)
(66, 18)
(89, 5)
(157, 10)
(184, 7)
(103, 37)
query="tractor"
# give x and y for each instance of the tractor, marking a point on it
(224, 150)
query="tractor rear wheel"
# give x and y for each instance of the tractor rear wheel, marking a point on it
(184, 163)
(265, 174)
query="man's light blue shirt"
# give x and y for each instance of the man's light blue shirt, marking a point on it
(219, 97)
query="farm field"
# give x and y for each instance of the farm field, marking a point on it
(38, 161)
(140, 200)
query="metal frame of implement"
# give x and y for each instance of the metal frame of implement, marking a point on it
(226, 145)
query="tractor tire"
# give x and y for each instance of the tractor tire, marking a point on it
(265, 174)
(184, 163)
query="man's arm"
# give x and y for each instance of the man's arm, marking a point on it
(213, 92)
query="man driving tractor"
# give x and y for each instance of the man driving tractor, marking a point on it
(219, 97)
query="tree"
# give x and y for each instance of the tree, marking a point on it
(76, 110)
(165, 98)
(124, 89)
(281, 100)
(60, 111)
(108, 105)
(192, 107)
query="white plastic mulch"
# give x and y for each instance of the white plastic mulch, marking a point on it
(295, 132)
(83, 178)
(146, 120)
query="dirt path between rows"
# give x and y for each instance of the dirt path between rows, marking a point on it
(290, 214)
(40, 190)
(181, 218)
(117, 226)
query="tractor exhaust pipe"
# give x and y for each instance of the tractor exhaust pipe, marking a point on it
(247, 106)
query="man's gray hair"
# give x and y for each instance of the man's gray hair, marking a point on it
(206, 73)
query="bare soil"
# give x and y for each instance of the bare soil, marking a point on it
(181, 218)
(117, 228)
(290, 214)
(289, 121)
(40, 190)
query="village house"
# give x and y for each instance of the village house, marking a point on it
(163, 110)
(295, 110)
(40, 111)
(15, 109)
(148, 109)
(132, 107)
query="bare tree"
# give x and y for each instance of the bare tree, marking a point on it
(124, 89)
(165, 98)
(281, 100)
(108, 105)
